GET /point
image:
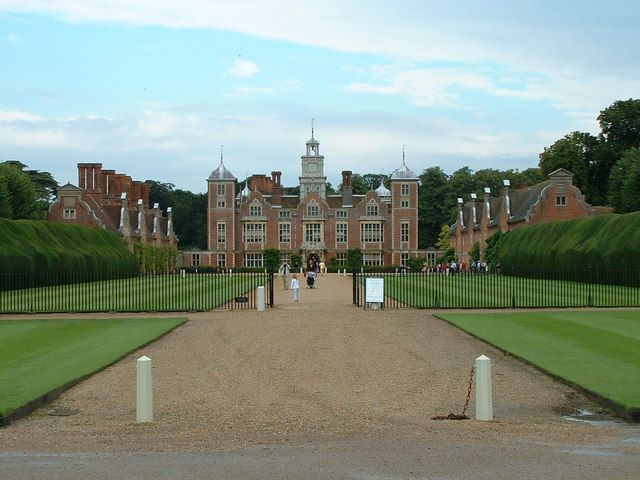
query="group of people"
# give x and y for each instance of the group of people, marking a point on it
(454, 267)
(313, 269)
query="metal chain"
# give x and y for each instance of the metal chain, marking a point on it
(463, 415)
(466, 402)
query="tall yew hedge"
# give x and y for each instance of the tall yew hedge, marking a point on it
(600, 249)
(57, 249)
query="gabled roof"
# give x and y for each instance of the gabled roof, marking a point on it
(523, 199)
(561, 172)
(70, 187)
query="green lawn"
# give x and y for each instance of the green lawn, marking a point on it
(598, 350)
(501, 291)
(38, 356)
(135, 294)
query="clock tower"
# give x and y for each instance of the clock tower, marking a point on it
(312, 178)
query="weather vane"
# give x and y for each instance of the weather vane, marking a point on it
(312, 128)
(221, 147)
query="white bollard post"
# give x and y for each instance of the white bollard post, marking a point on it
(183, 272)
(344, 272)
(484, 400)
(260, 299)
(144, 391)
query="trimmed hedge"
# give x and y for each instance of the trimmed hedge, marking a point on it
(578, 249)
(54, 249)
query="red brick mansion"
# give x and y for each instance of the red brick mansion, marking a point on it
(383, 223)
(554, 199)
(115, 202)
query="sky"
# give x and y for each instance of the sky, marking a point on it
(154, 88)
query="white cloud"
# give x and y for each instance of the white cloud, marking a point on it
(157, 124)
(594, 52)
(244, 69)
(181, 146)
(425, 86)
(17, 116)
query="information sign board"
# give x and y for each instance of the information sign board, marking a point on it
(374, 290)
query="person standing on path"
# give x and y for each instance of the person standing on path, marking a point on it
(323, 268)
(295, 288)
(284, 273)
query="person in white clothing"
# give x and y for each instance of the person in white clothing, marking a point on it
(295, 288)
(284, 273)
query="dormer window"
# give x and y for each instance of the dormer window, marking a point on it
(255, 209)
(561, 201)
(372, 209)
(313, 210)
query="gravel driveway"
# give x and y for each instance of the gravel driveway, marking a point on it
(317, 389)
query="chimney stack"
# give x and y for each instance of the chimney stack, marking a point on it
(474, 198)
(507, 202)
(276, 188)
(347, 189)
(487, 205)
(460, 214)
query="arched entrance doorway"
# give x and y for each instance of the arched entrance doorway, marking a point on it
(313, 261)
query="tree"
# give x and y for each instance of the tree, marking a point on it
(631, 188)
(620, 131)
(620, 124)
(354, 258)
(527, 177)
(433, 201)
(44, 182)
(492, 178)
(189, 212)
(18, 196)
(573, 152)
(492, 252)
(604, 158)
(474, 253)
(617, 179)
(6, 211)
(461, 184)
(444, 239)
(161, 193)
(296, 261)
(272, 259)
(623, 182)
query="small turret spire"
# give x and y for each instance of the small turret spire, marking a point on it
(221, 147)
(403, 149)
(312, 120)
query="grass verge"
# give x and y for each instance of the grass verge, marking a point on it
(135, 294)
(502, 291)
(599, 351)
(38, 357)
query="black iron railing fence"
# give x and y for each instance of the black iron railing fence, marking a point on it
(520, 289)
(46, 292)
